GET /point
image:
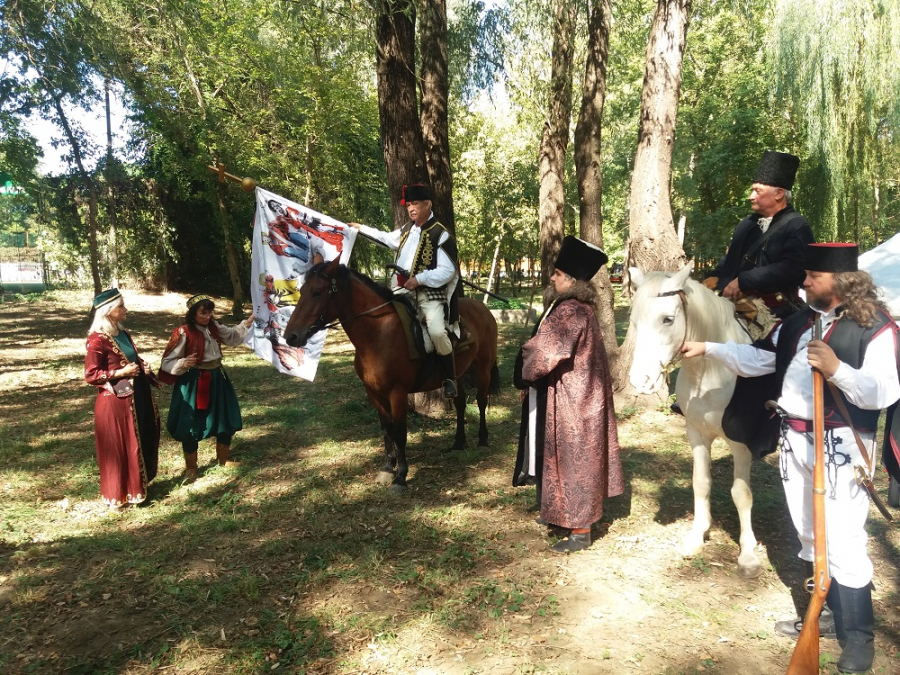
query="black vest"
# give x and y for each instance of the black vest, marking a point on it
(849, 341)
(747, 421)
(426, 256)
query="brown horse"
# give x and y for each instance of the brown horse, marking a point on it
(333, 293)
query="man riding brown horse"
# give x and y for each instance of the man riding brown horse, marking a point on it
(427, 249)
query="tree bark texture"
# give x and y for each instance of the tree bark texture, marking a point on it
(555, 138)
(587, 161)
(401, 133)
(231, 259)
(435, 93)
(91, 188)
(652, 240)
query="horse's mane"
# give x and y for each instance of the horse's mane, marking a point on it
(711, 317)
(345, 273)
(383, 291)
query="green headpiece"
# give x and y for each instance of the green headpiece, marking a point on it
(106, 297)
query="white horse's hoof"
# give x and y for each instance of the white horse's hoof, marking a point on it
(749, 567)
(692, 544)
(384, 477)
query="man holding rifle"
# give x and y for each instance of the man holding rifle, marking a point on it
(428, 251)
(859, 356)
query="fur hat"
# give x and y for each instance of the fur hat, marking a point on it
(579, 259)
(777, 169)
(834, 257)
(414, 193)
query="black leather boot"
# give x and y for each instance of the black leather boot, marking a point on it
(448, 365)
(574, 542)
(859, 626)
(827, 618)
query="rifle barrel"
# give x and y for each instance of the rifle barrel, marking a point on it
(805, 659)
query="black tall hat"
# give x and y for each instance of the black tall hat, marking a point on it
(835, 257)
(777, 169)
(414, 193)
(579, 259)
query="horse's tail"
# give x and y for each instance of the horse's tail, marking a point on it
(494, 387)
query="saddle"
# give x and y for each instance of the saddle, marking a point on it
(415, 333)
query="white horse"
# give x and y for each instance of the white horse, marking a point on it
(669, 309)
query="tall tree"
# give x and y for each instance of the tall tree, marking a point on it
(435, 94)
(837, 66)
(555, 137)
(401, 133)
(652, 240)
(588, 159)
(52, 42)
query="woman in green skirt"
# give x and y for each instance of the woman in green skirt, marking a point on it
(203, 401)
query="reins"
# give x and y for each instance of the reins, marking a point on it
(667, 368)
(320, 323)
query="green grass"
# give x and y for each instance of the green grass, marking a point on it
(297, 556)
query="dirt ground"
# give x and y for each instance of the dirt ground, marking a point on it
(629, 604)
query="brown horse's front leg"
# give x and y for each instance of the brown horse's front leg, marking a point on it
(386, 475)
(398, 434)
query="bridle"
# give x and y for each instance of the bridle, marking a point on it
(323, 324)
(667, 368)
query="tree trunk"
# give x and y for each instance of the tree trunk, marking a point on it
(653, 243)
(587, 162)
(435, 92)
(401, 133)
(237, 306)
(110, 195)
(92, 193)
(555, 139)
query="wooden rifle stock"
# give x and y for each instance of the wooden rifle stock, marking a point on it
(805, 659)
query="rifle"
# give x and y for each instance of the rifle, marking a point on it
(805, 659)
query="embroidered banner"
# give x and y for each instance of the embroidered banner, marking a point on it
(288, 239)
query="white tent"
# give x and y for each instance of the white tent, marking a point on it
(883, 263)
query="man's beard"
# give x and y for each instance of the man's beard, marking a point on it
(550, 294)
(820, 302)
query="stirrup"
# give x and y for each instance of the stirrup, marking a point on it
(450, 390)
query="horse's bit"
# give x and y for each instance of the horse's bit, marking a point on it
(321, 324)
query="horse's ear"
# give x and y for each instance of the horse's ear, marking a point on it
(332, 267)
(637, 277)
(682, 275)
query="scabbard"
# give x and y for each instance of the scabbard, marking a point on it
(879, 503)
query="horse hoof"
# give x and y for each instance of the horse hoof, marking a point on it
(384, 477)
(751, 572)
(398, 489)
(691, 545)
(749, 567)
(454, 449)
(484, 448)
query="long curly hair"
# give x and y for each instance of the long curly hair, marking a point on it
(859, 296)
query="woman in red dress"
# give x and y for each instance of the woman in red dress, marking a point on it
(126, 420)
